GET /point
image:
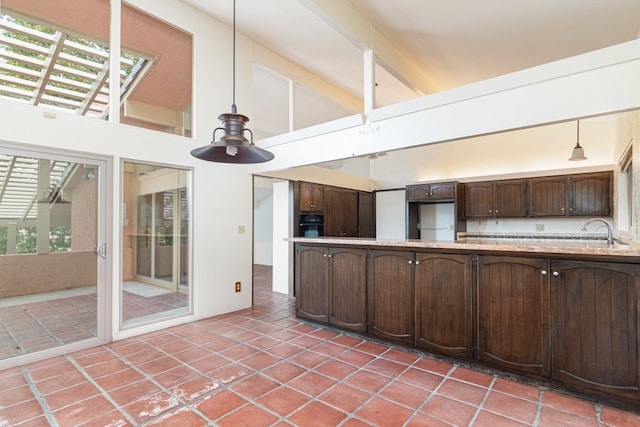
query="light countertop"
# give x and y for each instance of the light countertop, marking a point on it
(474, 244)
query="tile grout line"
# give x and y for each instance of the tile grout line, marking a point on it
(536, 420)
(103, 392)
(182, 403)
(38, 397)
(484, 399)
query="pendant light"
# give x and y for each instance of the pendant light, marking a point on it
(233, 146)
(578, 151)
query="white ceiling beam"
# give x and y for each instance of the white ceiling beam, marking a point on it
(348, 22)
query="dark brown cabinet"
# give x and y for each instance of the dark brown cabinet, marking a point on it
(331, 285)
(444, 304)
(391, 295)
(311, 197)
(312, 283)
(571, 195)
(596, 326)
(431, 192)
(348, 288)
(590, 194)
(513, 313)
(575, 323)
(340, 212)
(366, 217)
(548, 196)
(506, 198)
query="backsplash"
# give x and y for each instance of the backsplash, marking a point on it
(533, 226)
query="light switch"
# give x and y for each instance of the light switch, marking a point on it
(241, 229)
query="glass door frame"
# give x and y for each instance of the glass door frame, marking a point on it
(185, 177)
(104, 244)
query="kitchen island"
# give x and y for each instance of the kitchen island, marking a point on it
(560, 310)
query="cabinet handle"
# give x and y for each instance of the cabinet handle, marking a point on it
(497, 211)
(329, 256)
(543, 272)
(324, 255)
(410, 262)
(556, 274)
(417, 262)
(562, 209)
(489, 210)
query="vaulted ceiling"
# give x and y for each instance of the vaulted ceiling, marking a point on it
(431, 44)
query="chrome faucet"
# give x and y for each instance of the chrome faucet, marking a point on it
(606, 224)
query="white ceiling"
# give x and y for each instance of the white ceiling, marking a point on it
(453, 42)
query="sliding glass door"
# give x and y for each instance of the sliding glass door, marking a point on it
(155, 281)
(52, 253)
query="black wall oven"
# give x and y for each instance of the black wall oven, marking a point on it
(311, 225)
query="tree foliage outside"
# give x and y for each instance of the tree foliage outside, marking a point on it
(27, 237)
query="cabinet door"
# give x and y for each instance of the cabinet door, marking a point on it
(596, 325)
(510, 198)
(365, 215)
(444, 304)
(312, 283)
(418, 193)
(513, 313)
(348, 288)
(349, 213)
(445, 190)
(391, 295)
(311, 197)
(478, 200)
(332, 211)
(590, 194)
(548, 196)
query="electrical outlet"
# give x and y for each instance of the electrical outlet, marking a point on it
(539, 227)
(238, 286)
(241, 229)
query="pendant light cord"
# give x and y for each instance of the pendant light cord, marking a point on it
(233, 105)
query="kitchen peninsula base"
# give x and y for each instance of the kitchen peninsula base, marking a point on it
(567, 316)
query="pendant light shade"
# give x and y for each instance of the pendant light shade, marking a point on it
(578, 151)
(233, 146)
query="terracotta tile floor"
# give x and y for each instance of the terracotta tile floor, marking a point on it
(263, 367)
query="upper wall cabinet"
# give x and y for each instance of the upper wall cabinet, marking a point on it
(431, 192)
(311, 197)
(500, 199)
(565, 195)
(590, 194)
(547, 196)
(572, 195)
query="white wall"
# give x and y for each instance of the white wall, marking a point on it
(263, 230)
(222, 194)
(528, 225)
(282, 228)
(542, 150)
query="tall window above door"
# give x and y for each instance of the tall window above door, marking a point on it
(161, 98)
(56, 54)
